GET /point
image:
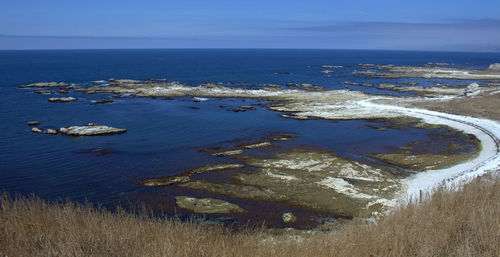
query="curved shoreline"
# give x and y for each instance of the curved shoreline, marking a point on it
(488, 160)
(343, 105)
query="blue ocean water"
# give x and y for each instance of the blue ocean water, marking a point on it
(165, 136)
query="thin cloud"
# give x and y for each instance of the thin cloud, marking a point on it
(489, 25)
(460, 35)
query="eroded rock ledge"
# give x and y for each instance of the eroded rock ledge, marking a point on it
(93, 130)
(207, 205)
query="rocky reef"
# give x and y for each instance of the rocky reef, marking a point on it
(62, 99)
(317, 180)
(397, 72)
(207, 205)
(90, 130)
(312, 179)
(47, 84)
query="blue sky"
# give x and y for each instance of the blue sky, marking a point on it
(414, 25)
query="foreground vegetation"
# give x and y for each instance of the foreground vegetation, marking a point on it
(449, 223)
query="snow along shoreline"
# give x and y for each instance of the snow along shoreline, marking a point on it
(488, 160)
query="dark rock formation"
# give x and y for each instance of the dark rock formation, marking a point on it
(103, 101)
(43, 92)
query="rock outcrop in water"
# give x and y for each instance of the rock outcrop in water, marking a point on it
(494, 66)
(397, 72)
(472, 89)
(48, 84)
(94, 130)
(228, 153)
(43, 92)
(62, 99)
(103, 101)
(207, 205)
(185, 177)
(317, 180)
(51, 131)
(331, 66)
(36, 130)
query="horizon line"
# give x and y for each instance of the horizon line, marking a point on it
(249, 48)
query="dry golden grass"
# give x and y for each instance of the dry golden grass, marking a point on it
(462, 223)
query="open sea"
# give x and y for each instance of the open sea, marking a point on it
(165, 136)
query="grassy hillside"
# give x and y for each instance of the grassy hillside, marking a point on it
(461, 223)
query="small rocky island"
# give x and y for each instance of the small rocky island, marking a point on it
(87, 130)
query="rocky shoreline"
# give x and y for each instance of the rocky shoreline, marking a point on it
(305, 178)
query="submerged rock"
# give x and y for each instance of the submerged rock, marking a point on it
(33, 123)
(166, 181)
(157, 80)
(103, 101)
(248, 107)
(421, 162)
(186, 176)
(43, 92)
(228, 153)
(62, 99)
(255, 145)
(409, 83)
(94, 130)
(440, 63)
(207, 205)
(447, 147)
(222, 166)
(284, 137)
(124, 81)
(387, 86)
